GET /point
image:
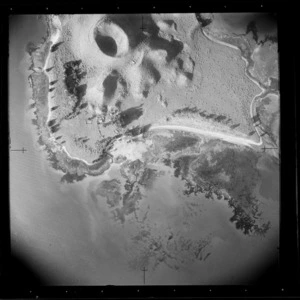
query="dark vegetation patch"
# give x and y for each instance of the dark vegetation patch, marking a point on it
(54, 107)
(129, 115)
(235, 126)
(53, 82)
(203, 114)
(137, 130)
(80, 92)
(186, 110)
(49, 69)
(110, 84)
(56, 46)
(55, 128)
(83, 105)
(70, 178)
(220, 118)
(73, 77)
(51, 122)
(180, 143)
(99, 163)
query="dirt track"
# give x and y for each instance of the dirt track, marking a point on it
(226, 137)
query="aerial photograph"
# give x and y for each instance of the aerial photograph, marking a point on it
(145, 148)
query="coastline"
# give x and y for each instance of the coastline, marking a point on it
(74, 168)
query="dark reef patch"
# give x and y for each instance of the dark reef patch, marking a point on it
(230, 174)
(110, 189)
(182, 165)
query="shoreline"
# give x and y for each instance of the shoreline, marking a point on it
(74, 169)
